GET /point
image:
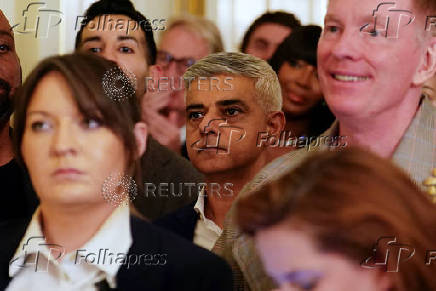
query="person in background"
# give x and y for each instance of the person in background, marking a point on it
(65, 126)
(186, 40)
(295, 63)
(225, 112)
(17, 199)
(376, 97)
(338, 221)
(135, 53)
(266, 33)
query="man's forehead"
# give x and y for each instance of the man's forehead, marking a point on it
(213, 90)
(367, 7)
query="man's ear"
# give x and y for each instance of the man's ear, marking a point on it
(428, 68)
(140, 132)
(275, 122)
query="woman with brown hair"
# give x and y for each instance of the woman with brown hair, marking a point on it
(78, 133)
(346, 220)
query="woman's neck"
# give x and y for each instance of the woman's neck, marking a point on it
(72, 227)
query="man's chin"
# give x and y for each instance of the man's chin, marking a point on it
(211, 167)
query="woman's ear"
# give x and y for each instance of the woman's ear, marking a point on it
(140, 132)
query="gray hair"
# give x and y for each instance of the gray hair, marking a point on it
(202, 27)
(267, 86)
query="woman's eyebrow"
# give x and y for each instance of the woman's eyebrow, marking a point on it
(32, 112)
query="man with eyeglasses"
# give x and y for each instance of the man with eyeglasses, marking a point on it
(186, 40)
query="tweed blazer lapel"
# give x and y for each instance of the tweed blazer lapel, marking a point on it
(416, 152)
(238, 249)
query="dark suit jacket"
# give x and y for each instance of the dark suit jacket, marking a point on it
(17, 199)
(183, 266)
(161, 165)
(181, 222)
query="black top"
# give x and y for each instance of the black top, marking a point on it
(181, 222)
(17, 198)
(184, 266)
(165, 170)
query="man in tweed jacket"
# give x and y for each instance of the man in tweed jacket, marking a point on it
(372, 83)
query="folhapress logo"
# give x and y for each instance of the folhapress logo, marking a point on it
(389, 254)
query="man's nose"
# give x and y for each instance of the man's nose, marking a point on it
(110, 55)
(211, 124)
(347, 45)
(171, 70)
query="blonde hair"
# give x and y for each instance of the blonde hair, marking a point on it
(267, 86)
(202, 27)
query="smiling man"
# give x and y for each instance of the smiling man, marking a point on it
(373, 85)
(230, 98)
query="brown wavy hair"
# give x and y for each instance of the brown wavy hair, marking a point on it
(85, 74)
(346, 201)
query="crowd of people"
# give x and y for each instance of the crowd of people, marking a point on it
(306, 161)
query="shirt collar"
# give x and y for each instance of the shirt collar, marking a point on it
(199, 208)
(199, 205)
(114, 236)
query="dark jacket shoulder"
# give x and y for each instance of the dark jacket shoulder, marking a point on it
(157, 260)
(12, 232)
(163, 169)
(173, 263)
(181, 222)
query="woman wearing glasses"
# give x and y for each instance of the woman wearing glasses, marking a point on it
(80, 146)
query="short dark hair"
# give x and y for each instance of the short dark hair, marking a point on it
(301, 44)
(85, 74)
(123, 7)
(278, 17)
